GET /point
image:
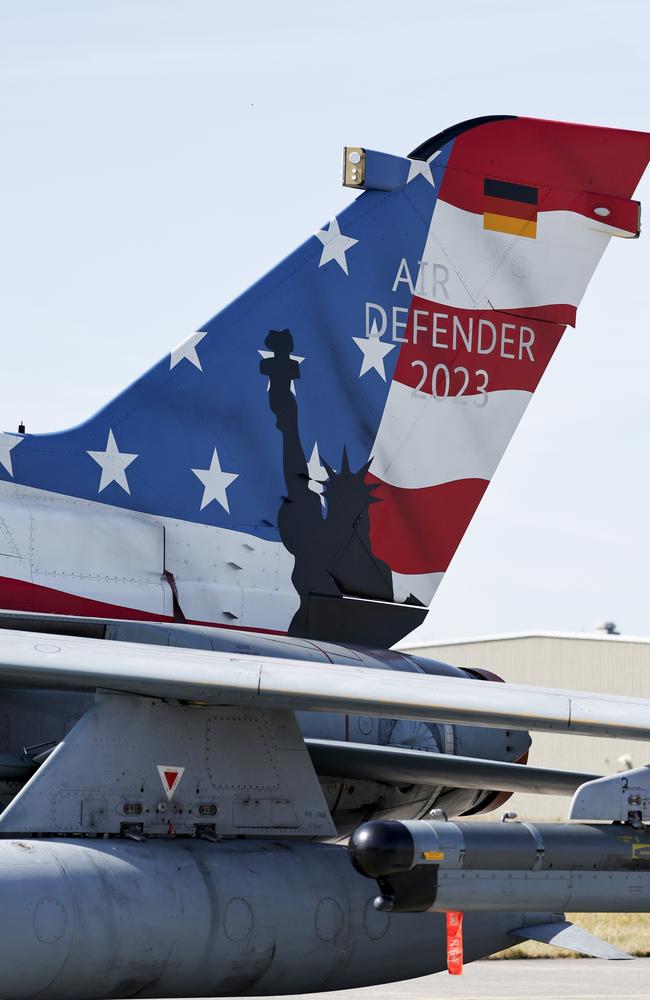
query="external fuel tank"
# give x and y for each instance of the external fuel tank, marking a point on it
(83, 919)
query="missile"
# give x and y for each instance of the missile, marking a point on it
(439, 865)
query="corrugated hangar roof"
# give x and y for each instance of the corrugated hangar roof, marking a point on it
(584, 661)
(539, 634)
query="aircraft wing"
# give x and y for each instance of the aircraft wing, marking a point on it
(30, 659)
(397, 765)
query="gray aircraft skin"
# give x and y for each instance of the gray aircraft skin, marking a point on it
(176, 798)
(181, 844)
(113, 918)
(194, 913)
(40, 721)
(266, 916)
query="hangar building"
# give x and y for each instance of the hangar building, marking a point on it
(598, 662)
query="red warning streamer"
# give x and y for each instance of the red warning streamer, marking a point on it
(454, 943)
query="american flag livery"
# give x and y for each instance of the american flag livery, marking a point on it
(330, 434)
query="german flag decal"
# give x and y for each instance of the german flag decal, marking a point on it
(510, 208)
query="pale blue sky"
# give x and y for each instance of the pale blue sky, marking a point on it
(160, 156)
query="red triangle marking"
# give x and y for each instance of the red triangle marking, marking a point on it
(170, 777)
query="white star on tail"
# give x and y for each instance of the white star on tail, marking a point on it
(335, 245)
(113, 464)
(374, 350)
(422, 168)
(215, 483)
(187, 350)
(7, 442)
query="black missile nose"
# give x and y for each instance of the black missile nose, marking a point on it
(381, 847)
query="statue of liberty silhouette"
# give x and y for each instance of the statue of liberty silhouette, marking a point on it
(330, 542)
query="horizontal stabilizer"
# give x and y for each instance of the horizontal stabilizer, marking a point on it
(564, 934)
(62, 662)
(395, 765)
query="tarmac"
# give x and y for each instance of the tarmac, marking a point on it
(522, 979)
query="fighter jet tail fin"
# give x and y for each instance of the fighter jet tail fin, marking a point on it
(314, 453)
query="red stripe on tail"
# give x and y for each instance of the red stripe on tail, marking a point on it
(511, 350)
(418, 531)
